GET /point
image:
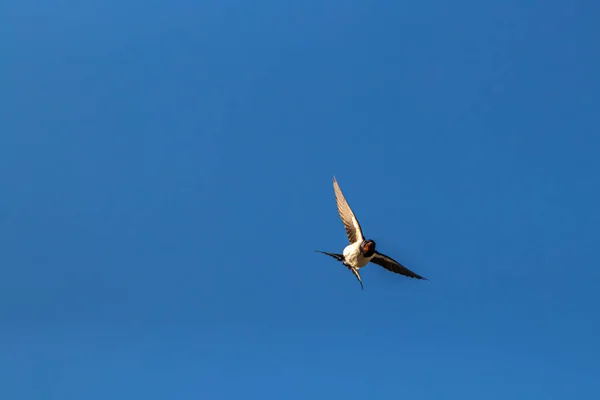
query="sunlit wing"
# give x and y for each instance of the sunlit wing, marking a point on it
(353, 229)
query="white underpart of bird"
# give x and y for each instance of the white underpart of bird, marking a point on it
(354, 257)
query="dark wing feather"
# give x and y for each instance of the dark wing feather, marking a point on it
(392, 265)
(353, 229)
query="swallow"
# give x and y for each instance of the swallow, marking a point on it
(361, 251)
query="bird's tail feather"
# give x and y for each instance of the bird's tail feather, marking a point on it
(337, 256)
(340, 257)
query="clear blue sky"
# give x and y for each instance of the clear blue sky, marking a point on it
(166, 171)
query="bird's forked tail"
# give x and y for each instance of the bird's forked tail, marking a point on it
(340, 257)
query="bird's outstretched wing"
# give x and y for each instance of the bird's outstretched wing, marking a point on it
(392, 265)
(353, 229)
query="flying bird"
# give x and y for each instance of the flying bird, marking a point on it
(361, 251)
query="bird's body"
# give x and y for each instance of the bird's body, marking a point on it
(354, 257)
(360, 251)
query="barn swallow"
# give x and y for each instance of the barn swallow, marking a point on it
(361, 251)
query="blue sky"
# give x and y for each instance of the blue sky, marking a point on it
(166, 175)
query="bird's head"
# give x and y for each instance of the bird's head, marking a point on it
(367, 248)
